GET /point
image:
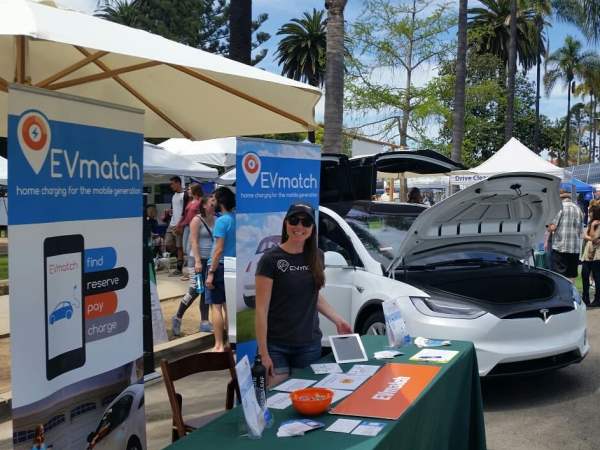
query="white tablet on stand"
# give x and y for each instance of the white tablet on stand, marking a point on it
(347, 348)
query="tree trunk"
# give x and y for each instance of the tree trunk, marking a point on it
(568, 131)
(334, 76)
(240, 31)
(512, 71)
(536, 133)
(458, 115)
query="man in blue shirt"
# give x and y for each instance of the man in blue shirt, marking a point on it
(223, 245)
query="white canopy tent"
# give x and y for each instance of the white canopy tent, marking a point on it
(3, 171)
(160, 164)
(512, 157)
(216, 152)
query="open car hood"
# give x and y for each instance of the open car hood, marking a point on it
(505, 214)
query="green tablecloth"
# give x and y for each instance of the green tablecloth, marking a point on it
(448, 414)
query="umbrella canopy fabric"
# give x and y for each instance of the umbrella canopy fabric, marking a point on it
(227, 178)
(216, 152)
(185, 92)
(160, 165)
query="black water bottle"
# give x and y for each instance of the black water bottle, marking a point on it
(259, 378)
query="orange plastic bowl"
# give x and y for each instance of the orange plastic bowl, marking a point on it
(311, 401)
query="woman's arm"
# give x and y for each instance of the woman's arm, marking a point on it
(215, 261)
(194, 235)
(327, 310)
(546, 240)
(264, 289)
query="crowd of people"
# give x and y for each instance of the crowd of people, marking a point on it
(414, 196)
(569, 241)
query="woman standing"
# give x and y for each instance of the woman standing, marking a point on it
(288, 302)
(223, 245)
(196, 192)
(591, 256)
(201, 235)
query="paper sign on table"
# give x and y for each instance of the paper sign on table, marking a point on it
(363, 369)
(341, 381)
(321, 369)
(255, 419)
(388, 393)
(432, 355)
(369, 428)
(279, 401)
(339, 394)
(293, 385)
(396, 327)
(343, 425)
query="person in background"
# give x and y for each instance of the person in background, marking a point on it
(155, 238)
(174, 235)
(414, 196)
(385, 197)
(195, 193)
(590, 266)
(426, 199)
(288, 301)
(223, 245)
(38, 439)
(566, 246)
(201, 236)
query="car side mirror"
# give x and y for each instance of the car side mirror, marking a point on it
(334, 259)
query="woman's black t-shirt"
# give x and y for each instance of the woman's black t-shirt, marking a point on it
(293, 318)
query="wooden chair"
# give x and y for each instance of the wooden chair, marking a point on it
(189, 365)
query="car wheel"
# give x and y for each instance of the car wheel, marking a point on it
(375, 324)
(250, 301)
(134, 444)
(52, 320)
(69, 314)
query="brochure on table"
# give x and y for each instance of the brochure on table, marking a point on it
(396, 328)
(255, 418)
(433, 355)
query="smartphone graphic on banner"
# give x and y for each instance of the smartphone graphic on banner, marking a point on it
(64, 309)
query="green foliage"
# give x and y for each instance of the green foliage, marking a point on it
(390, 41)
(302, 50)
(485, 107)
(201, 24)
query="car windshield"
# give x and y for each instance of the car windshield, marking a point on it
(267, 243)
(381, 234)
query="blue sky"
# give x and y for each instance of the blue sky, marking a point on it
(282, 11)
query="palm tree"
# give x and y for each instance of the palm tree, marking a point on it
(490, 31)
(302, 52)
(511, 72)
(458, 119)
(584, 14)
(543, 10)
(334, 78)
(566, 64)
(240, 31)
(591, 87)
(123, 12)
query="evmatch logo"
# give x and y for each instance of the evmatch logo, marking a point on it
(251, 165)
(283, 265)
(34, 136)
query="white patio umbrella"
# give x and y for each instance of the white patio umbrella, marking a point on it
(185, 92)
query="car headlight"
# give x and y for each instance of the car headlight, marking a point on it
(575, 294)
(443, 308)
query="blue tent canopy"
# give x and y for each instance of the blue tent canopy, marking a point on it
(580, 186)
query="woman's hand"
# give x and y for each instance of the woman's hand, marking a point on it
(268, 363)
(343, 327)
(198, 267)
(209, 280)
(545, 246)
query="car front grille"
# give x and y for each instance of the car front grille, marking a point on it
(536, 365)
(537, 313)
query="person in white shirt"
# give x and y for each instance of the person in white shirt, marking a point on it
(174, 234)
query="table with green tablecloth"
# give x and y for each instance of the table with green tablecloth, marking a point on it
(448, 414)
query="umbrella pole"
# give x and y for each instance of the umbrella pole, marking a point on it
(21, 69)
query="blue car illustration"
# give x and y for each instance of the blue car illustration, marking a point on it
(64, 310)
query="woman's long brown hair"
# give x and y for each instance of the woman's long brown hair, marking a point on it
(38, 440)
(311, 253)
